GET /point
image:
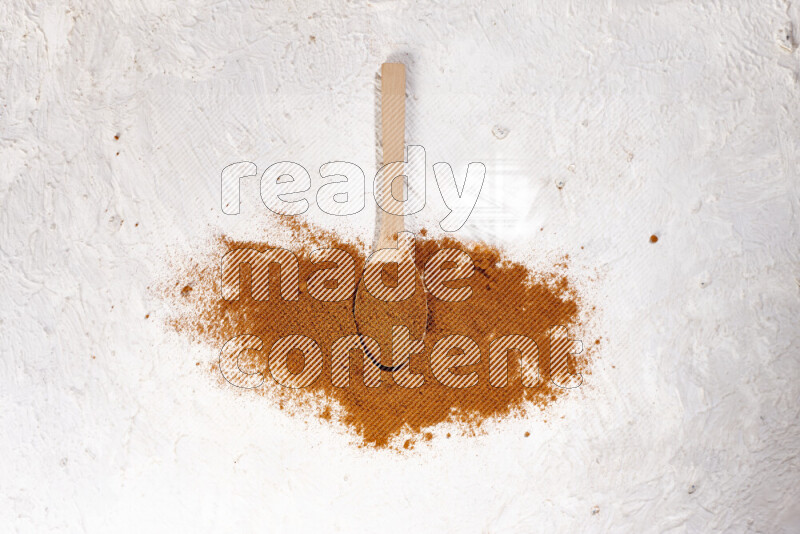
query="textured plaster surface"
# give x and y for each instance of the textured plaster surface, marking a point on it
(612, 121)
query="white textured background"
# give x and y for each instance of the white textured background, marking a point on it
(669, 117)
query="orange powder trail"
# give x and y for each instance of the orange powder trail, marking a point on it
(507, 298)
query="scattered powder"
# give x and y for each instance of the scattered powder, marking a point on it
(507, 299)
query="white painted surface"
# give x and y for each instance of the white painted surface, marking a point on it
(675, 118)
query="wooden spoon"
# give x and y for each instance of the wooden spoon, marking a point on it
(375, 317)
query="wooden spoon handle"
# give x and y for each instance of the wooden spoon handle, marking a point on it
(375, 316)
(393, 133)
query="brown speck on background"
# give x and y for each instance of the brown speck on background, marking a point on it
(147, 316)
(507, 298)
(116, 137)
(653, 238)
(527, 434)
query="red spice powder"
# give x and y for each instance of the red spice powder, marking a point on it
(507, 298)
